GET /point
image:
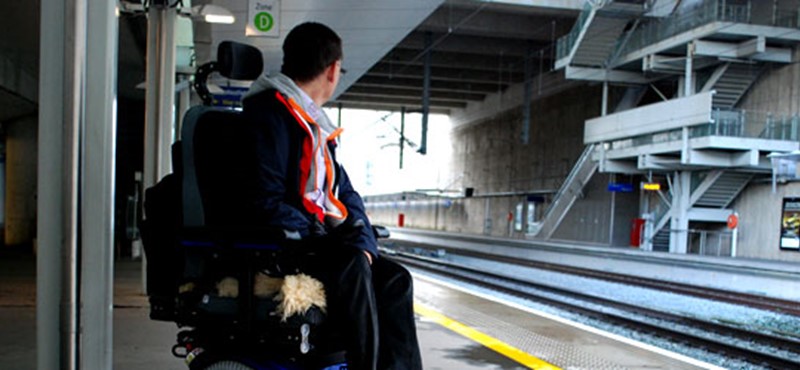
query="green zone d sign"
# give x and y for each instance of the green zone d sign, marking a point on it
(264, 22)
(264, 18)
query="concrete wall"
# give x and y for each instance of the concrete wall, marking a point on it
(488, 156)
(491, 158)
(601, 217)
(760, 221)
(21, 159)
(777, 91)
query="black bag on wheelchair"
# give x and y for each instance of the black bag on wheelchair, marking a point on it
(207, 268)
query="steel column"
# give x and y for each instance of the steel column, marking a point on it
(527, 97)
(97, 189)
(160, 93)
(159, 99)
(62, 37)
(688, 83)
(402, 133)
(679, 220)
(426, 93)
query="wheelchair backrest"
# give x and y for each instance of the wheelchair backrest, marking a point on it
(216, 148)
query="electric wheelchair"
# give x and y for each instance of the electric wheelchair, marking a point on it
(194, 238)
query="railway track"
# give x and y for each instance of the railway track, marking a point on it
(752, 347)
(765, 303)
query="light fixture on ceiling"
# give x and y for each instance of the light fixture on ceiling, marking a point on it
(212, 14)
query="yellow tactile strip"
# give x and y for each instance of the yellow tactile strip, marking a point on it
(490, 342)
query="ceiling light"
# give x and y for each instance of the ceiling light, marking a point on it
(212, 14)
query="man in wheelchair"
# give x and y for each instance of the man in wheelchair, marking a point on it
(302, 189)
(270, 173)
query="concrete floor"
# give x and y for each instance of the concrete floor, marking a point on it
(144, 344)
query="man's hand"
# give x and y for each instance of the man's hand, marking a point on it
(369, 257)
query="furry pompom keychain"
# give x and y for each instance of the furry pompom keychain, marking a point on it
(298, 293)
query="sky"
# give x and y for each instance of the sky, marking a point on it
(370, 152)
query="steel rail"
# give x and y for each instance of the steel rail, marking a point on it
(766, 303)
(474, 276)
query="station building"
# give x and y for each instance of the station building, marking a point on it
(664, 125)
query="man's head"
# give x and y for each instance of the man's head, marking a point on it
(310, 49)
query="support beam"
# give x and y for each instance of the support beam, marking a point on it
(527, 98)
(714, 158)
(410, 102)
(405, 82)
(410, 93)
(752, 49)
(75, 205)
(159, 99)
(62, 37)
(402, 133)
(454, 72)
(426, 94)
(607, 75)
(679, 219)
(97, 180)
(688, 82)
(655, 162)
(619, 166)
(708, 214)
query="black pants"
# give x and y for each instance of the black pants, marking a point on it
(372, 306)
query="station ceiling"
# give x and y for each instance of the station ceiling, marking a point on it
(476, 47)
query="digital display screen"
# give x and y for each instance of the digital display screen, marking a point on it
(790, 224)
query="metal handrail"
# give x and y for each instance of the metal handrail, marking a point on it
(729, 123)
(587, 152)
(565, 43)
(708, 11)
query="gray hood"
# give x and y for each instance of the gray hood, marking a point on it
(286, 86)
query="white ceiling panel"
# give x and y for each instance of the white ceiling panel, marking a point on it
(369, 28)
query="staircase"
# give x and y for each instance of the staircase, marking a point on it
(733, 82)
(717, 190)
(661, 240)
(599, 41)
(661, 228)
(595, 34)
(570, 191)
(724, 189)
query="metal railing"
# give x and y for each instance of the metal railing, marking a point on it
(706, 12)
(560, 202)
(706, 242)
(565, 43)
(726, 122)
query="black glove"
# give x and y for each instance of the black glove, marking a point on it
(348, 232)
(316, 229)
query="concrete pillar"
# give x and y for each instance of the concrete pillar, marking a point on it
(679, 222)
(20, 196)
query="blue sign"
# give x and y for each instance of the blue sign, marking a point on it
(231, 97)
(620, 188)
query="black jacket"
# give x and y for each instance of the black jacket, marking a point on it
(278, 199)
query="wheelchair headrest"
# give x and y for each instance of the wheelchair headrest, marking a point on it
(235, 60)
(239, 61)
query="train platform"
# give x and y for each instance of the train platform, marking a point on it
(772, 279)
(458, 330)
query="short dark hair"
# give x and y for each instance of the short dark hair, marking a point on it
(308, 49)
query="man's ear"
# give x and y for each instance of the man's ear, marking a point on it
(330, 72)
